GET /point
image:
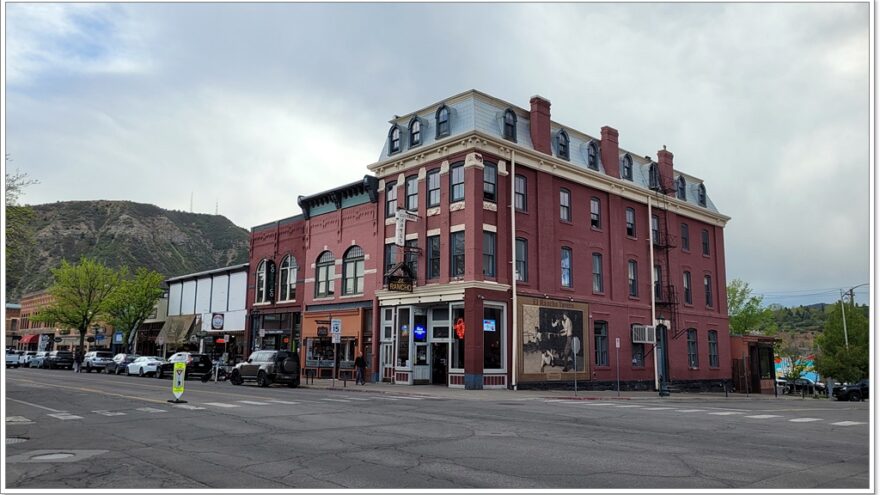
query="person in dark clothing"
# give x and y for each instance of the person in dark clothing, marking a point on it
(360, 366)
(78, 361)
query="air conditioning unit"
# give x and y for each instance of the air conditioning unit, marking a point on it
(644, 334)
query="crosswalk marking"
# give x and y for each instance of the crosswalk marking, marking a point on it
(764, 416)
(188, 406)
(220, 404)
(804, 420)
(109, 413)
(151, 410)
(276, 401)
(254, 403)
(690, 410)
(64, 416)
(848, 423)
(18, 420)
(725, 413)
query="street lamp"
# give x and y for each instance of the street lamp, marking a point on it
(843, 311)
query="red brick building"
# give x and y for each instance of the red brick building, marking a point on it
(531, 251)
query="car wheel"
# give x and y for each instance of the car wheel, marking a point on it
(294, 383)
(855, 397)
(141, 372)
(262, 379)
(236, 379)
(159, 374)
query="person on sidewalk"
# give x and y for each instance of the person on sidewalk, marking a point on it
(78, 361)
(360, 366)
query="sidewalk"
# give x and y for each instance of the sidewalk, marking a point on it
(496, 394)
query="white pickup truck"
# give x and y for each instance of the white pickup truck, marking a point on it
(12, 358)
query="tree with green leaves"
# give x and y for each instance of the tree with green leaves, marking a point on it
(835, 359)
(19, 233)
(133, 300)
(746, 312)
(79, 296)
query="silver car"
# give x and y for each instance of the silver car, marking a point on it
(26, 357)
(96, 360)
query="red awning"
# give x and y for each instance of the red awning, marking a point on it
(27, 339)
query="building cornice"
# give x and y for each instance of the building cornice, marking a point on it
(452, 291)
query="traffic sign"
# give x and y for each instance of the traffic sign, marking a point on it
(336, 338)
(617, 342)
(336, 327)
(179, 379)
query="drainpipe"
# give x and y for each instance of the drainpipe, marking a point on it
(653, 302)
(514, 310)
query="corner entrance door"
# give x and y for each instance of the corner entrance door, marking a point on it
(662, 354)
(439, 364)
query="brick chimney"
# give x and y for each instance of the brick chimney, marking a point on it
(664, 166)
(539, 124)
(610, 150)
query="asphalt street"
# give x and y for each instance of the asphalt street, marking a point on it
(67, 430)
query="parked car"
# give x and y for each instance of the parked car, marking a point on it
(26, 357)
(119, 363)
(12, 358)
(96, 360)
(39, 360)
(145, 365)
(782, 382)
(855, 392)
(267, 367)
(799, 384)
(196, 364)
(60, 359)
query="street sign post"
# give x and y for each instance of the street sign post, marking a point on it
(177, 381)
(336, 333)
(617, 358)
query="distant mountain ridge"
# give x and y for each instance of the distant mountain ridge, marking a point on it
(120, 233)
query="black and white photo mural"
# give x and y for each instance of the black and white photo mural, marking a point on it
(552, 336)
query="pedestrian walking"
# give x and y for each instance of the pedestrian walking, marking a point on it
(360, 366)
(78, 361)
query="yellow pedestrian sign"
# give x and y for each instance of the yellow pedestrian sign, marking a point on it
(177, 381)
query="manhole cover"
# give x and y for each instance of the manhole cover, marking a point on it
(12, 440)
(52, 457)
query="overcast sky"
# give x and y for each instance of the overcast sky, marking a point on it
(253, 105)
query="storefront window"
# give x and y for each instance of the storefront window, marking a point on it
(493, 330)
(458, 337)
(319, 352)
(403, 333)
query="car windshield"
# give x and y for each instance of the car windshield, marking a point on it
(104, 355)
(63, 354)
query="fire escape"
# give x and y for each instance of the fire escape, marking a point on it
(665, 293)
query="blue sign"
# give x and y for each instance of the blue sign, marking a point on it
(488, 325)
(99, 337)
(419, 333)
(117, 337)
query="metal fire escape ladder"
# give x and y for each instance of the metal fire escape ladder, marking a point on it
(666, 296)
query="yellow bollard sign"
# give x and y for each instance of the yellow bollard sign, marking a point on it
(179, 378)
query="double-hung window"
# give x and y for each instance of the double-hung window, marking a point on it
(390, 200)
(600, 339)
(412, 193)
(457, 254)
(565, 205)
(519, 193)
(287, 284)
(705, 236)
(633, 278)
(488, 254)
(595, 213)
(598, 282)
(522, 260)
(325, 273)
(434, 188)
(433, 248)
(490, 182)
(565, 266)
(353, 271)
(456, 183)
(685, 238)
(693, 356)
(688, 298)
(713, 349)
(630, 222)
(411, 256)
(707, 286)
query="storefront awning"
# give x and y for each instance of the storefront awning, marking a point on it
(176, 330)
(29, 339)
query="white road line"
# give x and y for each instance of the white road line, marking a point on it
(764, 416)
(188, 406)
(220, 404)
(254, 403)
(109, 413)
(34, 405)
(657, 408)
(64, 416)
(275, 401)
(18, 420)
(357, 398)
(690, 410)
(628, 405)
(848, 423)
(804, 420)
(385, 398)
(151, 410)
(407, 398)
(337, 400)
(725, 413)
(597, 404)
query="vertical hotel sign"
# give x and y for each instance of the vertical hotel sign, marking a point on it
(270, 280)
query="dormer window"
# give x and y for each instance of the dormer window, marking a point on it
(592, 156)
(442, 122)
(394, 140)
(415, 132)
(627, 167)
(510, 125)
(562, 144)
(653, 177)
(701, 195)
(680, 188)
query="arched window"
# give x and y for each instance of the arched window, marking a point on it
(562, 144)
(627, 167)
(261, 283)
(680, 191)
(653, 177)
(287, 285)
(415, 132)
(325, 272)
(353, 271)
(701, 195)
(394, 140)
(593, 156)
(442, 118)
(510, 125)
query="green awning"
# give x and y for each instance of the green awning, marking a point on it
(176, 330)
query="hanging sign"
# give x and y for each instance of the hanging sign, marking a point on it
(400, 284)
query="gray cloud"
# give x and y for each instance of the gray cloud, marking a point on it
(253, 105)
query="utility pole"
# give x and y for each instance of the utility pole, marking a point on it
(852, 298)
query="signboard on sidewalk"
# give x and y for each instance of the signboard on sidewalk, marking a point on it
(178, 379)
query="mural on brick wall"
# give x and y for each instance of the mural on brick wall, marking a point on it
(553, 339)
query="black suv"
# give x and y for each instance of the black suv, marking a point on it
(60, 359)
(196, 364)
(267, 367)
(855, 392)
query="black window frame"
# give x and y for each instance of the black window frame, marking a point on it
(489, 254)
(411, 190)
(688, 289)
(389, 257)
(632, 278)
(456, 257)
(626, 171)
(712, 339)
(522, 259)
(394, 140)
(442, 119)
(490, 182)
(391, 199)
(701, 195)
(411, 255)
(598, 276)
(595, 212)
(592, 156)
(564, 204)
(563, 145)
(681, 188)
(433, 263)
(685, 237)
(456, 184)
(707, 289)
(508, 125)
(704, 238)
(655, 229)
(600, 343)
(433, 185)
(415, 132)
(658, 282)
(630, 217)
(521, 196)
(693, 349)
